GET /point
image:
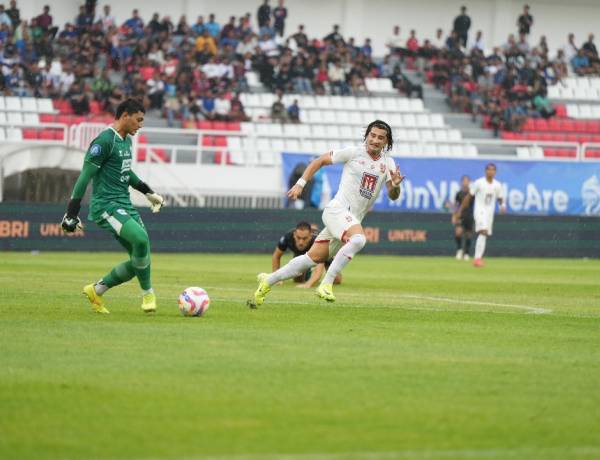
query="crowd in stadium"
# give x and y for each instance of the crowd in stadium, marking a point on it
(195, 70)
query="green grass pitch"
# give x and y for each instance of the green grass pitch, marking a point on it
(420, 358)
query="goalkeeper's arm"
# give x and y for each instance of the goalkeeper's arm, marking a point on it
(71, 221)
(156, 201)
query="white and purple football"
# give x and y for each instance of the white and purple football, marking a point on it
(193, 301)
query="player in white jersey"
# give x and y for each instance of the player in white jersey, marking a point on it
(366, 168)
(486, 191)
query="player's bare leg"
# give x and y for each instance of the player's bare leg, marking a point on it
(480, 248)
(318, 253)
(355, 240)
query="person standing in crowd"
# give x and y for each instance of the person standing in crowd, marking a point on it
(525, 21)
(280, 15)
(263, 15)
(462, 24)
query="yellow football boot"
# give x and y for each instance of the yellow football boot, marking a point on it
(325, 292)
(149, 302)
(95, 299)
(261, 292)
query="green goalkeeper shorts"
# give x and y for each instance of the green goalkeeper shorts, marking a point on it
(114, 219)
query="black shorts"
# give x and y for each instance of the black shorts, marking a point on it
(467, 223)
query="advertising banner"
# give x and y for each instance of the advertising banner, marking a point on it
(530, 187)
(36, 227)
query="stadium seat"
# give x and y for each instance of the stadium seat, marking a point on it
(31, 119)
(219, 125)
(12, 103)
(14, 134)
(28, 104)
(204, 124)
(30, 134)
(220, 141)
(44, 105)
(47, 134)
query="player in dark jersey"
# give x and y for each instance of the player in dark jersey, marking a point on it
(463, 225)
(299, 240)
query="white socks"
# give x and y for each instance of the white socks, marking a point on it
(480, 246)
(293, 268)
(355, 243)
(100, 287)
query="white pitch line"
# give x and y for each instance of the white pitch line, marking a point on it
(528, 308)
(503, 453)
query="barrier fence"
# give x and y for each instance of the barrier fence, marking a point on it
(36, 228)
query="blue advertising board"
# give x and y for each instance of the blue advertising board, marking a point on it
(530, 187)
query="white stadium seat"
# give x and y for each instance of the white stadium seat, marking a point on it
(14, 117)
(12, 103)
(31, 119)
(29, 104)
(14, 134)
(2, 134)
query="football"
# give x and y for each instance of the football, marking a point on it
(193, 301)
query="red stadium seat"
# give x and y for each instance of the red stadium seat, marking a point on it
(592, 126)
(65, 119)
(204, 124)
(592, 153)
(141, 155)
(529, 125)
(30, 133)
(220, 125)
(554, 124)
(540, 124)
(567, 125)
(142, 139)
(220, 141)
(571, 138)
(59, 134)
(507, 135)
(188, 124)
(219, 157)
(546, 136)
(580, 126)
(95, 108)
(561, 110)
(46, 134)
(47, 118)
(234, 126)
(208, 141)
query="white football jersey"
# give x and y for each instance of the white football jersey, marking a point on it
(486, 195)
(362, 179)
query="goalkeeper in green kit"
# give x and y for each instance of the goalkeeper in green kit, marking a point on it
(108, 164)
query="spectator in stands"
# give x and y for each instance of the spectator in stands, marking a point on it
(478, 42)
(581, 63)
(102, 86)
(412, 44)
(83, 21)
(222, 106)
(156, 90)
(337, 78)
(263, 15)
(334, 36)
(78, 99)
(395, 43)
(302, 75)
(525, 21)
(590, 50)
(278, 111)
(570, 49)
(542, 104)
(5, 18)
(267, 30)
(107, 19)
(135, 23)
(439, 42)
(462, 24)
(294, 112)
(403, 84)
(213, 27)
(14, 14)
(237, 112)
(300, 37)
(205, 45)
(367, 49)
(515, 116)
(279, 16)
(198, 27)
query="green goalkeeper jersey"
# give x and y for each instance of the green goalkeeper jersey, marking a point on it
(111, 154)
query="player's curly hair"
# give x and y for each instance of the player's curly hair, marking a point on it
(381, 125)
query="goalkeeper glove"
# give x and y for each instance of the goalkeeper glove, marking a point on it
(71, 224)
(156, 201)
(70, 221)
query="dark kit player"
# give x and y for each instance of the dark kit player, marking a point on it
(464, 222)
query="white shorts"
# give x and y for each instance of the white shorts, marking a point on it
(484, 222)
(337, 221)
